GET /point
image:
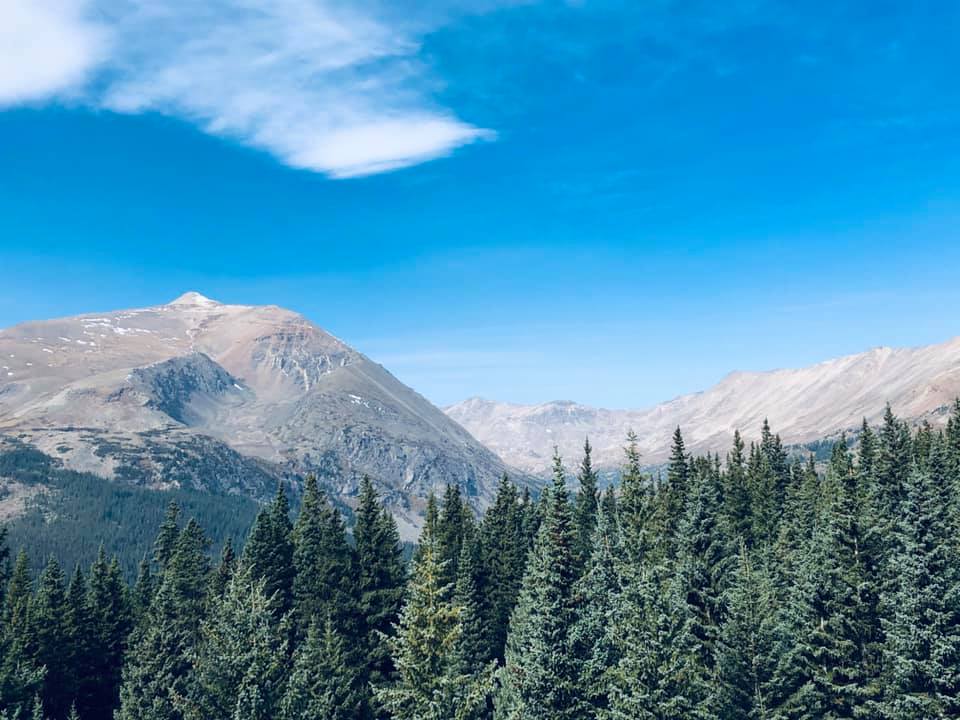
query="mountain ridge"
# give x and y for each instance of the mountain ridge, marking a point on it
(128, 394)
(802, 404)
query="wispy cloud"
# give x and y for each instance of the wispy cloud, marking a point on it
(338, 88)
(46, 47)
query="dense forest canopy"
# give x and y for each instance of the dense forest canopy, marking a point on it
(752, 586)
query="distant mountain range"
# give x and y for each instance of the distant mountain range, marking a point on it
(229, 398)
(802, 405)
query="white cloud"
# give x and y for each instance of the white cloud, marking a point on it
(46, 47)
(322, 85)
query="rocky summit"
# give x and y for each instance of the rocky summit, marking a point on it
(229, 398)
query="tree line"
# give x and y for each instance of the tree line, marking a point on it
(760, 586)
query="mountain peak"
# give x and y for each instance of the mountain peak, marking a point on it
(194, 298)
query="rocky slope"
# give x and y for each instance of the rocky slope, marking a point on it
(802, 405)
(229, 397)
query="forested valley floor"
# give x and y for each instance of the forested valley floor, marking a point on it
(757, 586)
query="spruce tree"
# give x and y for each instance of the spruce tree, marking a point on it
(381, 577)
(429, 683)
(503, 556)
(110, 624)
(323, 685)
(541, 676)
(922, 646)
(585, 507)
(746, 651)
(269, 552)
(736, 493)
(325, 584)
(156, 673)
(635, 507)
(238, 666)
(49, 638)
(598, 595)
(167, 537)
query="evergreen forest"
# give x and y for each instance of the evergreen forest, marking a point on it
(756, 586)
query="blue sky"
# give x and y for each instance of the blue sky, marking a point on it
(609, 202)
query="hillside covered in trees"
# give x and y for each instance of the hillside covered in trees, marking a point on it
(755, 586)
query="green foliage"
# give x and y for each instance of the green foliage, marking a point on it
(541, 677)
(77, 513)
(430, 682)
(765, 588)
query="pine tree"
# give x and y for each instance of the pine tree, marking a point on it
(143, 591)
(238, 666)
(323, 684)
(49, 637)
(598, 595)
(167, 537)
(659, 675)
(745, 655)
(381, 577)
(503, 555)
(635, 507)
(325, 586)
(472, 650)
(671, 499)
(269, 552)
(736, 493)
(226, 569)
(586, 508)
(110, 624)
(78, 628)
(703, 562)
(922, 648)
(541, 676)
(157, 668)
(429, 684)
(454, 528)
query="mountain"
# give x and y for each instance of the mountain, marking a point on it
(229, 398)
(802, 405)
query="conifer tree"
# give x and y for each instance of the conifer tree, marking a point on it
(635, 506)
(325, 585)
(586, 507)
(454, 528)
(429, 683)
(110, 624)
(703, 562)
(541, 675)
(323, 684)
(167, 537)
(269, 552)
(922, 647)
(503, 555)
(472, 650)
(745, 657)
(381, 577)
(225, 570)
(142, 593)
(78, 628)
(736, 493)
(659, 675)
(598, 595)
(157, 669)
(238, 666)
(49, 638)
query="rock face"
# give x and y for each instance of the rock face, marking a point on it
(229, 397)
(802, 405)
